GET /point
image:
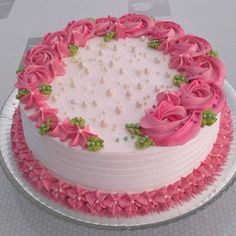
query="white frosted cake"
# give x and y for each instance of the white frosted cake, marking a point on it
(121, 116)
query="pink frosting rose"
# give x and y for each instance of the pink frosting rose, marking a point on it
(190, 45)
(33, 76)
(200, 95)
(165, 31)
(58, 41)
(205, 68)
(134, 25)
(79, 31)
(168, 123)
(183, 49)
(44, 55)
(104, 25)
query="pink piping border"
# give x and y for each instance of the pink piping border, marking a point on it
(125, 204)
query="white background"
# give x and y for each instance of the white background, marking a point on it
(214, 20)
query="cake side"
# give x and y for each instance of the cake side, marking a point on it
(119, 172)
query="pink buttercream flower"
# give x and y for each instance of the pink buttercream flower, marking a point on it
(200, 95)
(129, 204)
(62, 130)
(168, 123)
(94, 201)
(42, 179)
(76, 197)
(67, 131)
(111, 202)
(58, 41)
(204, 68)
(59, 190)
(133, 25)
(79, 31)
(46, 56)
(33, 76)
(29, 166)
(183, 49)
(189, 45)
(43, 114)
(165, 31)
(105, 25)
(78, 136)
(33, 99)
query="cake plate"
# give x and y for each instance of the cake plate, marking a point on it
(219, 186)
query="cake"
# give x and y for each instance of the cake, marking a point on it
(121, 117)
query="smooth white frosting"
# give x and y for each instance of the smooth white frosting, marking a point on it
(119, 167)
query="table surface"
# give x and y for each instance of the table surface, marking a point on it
(213, 20)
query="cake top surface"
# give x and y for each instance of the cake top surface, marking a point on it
(110, 85)
(106, 81)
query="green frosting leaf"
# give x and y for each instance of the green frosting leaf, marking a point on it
(179, 79)
(94, 144)
(44, 128)
(73, 49)
(45, 89)
(213, 53)
(144, 142)
(78, 121)
(133, 129)
(154, 43)
(21, 93)
(208, 118)
(20, 69)
(109, 36)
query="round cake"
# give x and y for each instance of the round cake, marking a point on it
(121, 116)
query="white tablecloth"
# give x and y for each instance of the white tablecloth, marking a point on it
(214, 20)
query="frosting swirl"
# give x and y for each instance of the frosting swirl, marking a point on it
(79, 31)
(44, 55)
(134, 25)
(205, 68)
(58, 41)
(165, 30)
(189, 45)
(104, 25)
(199, 96)
(33, 76)
(168, 123)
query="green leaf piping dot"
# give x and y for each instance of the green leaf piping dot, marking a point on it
(179, 79)
(19, 69)
(73, 49)
(133, 128)
(208, 118)
(78, 121)
(213, 53)
(154, 43)
(109, 36)
(44, 128)
(45, 89)
(94, 144)
(144, 142)
(21, 93)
